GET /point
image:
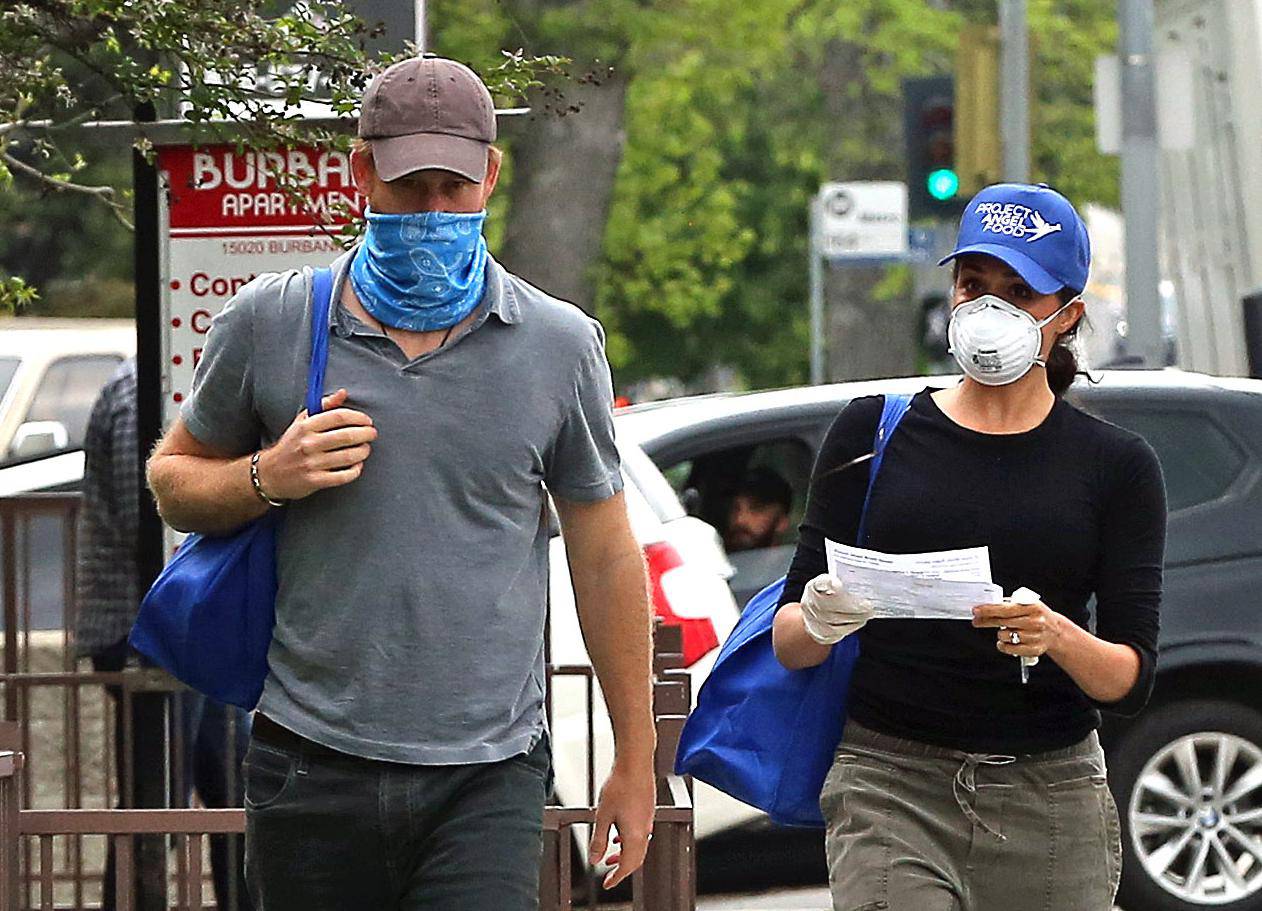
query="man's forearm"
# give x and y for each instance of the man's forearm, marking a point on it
(613, 613)
(207, 495)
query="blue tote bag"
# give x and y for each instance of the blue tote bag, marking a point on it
(765, 734)
(208, 617)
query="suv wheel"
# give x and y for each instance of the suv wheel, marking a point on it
(1187, 778)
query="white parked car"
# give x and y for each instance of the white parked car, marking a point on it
(688, 578)
(50, 373)
(688, 574)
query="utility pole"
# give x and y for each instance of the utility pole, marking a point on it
(1014, 90)
(1140, 180)
(422, 31)
(817, 296)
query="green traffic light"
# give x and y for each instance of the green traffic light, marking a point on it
(943, 184)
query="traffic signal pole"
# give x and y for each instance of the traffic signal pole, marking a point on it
(1014, 91)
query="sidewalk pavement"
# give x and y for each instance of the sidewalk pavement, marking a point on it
(811, 899)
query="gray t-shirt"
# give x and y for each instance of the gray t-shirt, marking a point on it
(410, 612)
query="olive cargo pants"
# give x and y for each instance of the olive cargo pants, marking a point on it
(914, 827)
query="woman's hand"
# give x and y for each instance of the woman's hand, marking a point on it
(829, 612)
(1023, 630)
(1106, 671)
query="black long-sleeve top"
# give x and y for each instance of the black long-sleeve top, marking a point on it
(1072, 508)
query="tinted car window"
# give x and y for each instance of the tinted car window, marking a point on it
(1198, 459)
(713, 486)
(67, 391)
(645, 476)
(8, 367)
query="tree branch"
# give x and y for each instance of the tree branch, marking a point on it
(105, 194)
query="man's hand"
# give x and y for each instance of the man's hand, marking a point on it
(627, 802)
(317, 452)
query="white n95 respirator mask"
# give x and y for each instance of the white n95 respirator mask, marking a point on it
(995, 342)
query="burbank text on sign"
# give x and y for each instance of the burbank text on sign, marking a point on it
(226, 220)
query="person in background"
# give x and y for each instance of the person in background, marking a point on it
(758, 515)
(214, 735)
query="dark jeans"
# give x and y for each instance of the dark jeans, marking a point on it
(209, 764)
(327, 832)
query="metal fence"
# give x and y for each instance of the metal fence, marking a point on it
(38, 551)
(80, 750)
(69, 748)
(667, 881)
(38, 843)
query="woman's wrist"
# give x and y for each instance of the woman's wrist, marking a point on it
(794, 646)
(1063, 637)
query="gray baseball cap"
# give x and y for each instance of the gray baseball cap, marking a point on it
(428, 112)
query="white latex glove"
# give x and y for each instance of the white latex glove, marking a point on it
(829, 612)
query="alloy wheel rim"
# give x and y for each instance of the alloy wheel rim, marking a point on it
(1195, 817)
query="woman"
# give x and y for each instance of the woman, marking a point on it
(956, 787)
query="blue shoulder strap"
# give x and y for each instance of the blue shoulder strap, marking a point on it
(321, 293)
(895, 407)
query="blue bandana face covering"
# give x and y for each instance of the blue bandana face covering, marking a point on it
(423, 270)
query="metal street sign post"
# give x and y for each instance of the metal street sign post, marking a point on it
(855, 223)
(224, 221)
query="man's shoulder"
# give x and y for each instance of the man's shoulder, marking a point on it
(124, 377)
(269, 290)
(119, 391)
(559, 319)
(268, 300)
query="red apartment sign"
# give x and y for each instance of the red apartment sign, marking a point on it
(226, 221)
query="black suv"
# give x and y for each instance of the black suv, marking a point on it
(1187, 772)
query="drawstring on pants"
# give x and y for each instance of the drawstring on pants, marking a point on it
(966, 779)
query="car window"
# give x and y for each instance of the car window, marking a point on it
(8, 367)
(1198, 459)
(68, 390)
(754, 495)
(649, 481)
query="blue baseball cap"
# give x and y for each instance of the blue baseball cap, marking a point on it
(1033, 229)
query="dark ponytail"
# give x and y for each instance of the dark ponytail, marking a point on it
(1062, 363)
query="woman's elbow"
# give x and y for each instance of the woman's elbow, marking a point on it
(1129, 701)
(792, 661)
(782, 654)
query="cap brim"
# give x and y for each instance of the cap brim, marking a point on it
(1035, 275)
(394, 156)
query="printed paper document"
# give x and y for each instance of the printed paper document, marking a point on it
(943, 585)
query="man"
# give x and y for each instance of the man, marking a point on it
(399, 757)
(108, 599)
(758, 515)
